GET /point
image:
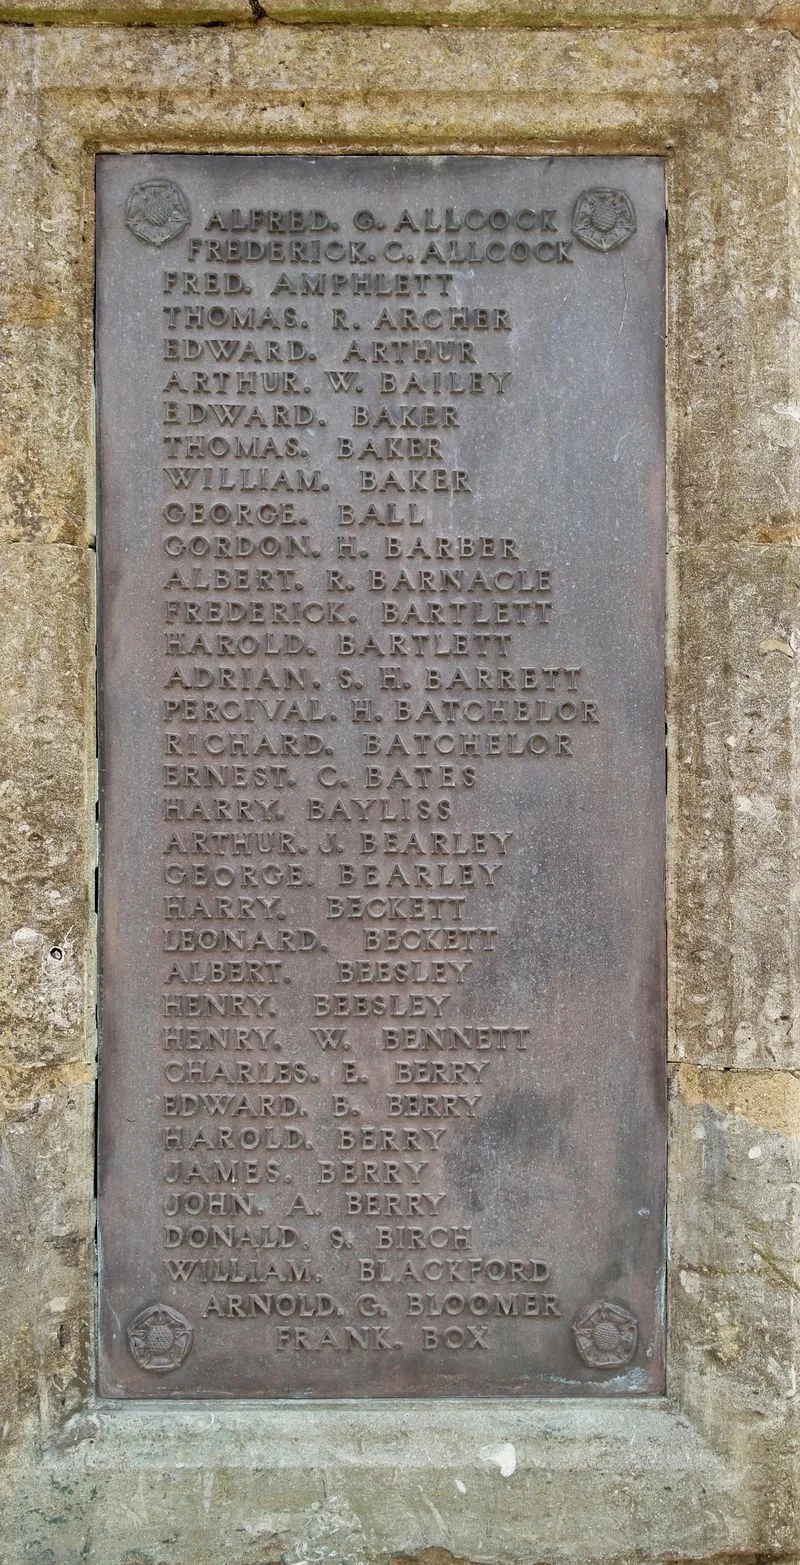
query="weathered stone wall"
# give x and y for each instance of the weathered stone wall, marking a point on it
(712, 1471)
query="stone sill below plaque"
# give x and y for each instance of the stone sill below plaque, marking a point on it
(458, 1481)
(457, 1432)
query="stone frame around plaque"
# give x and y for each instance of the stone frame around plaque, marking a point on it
(710, 1468)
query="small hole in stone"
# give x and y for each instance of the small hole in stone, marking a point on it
(56, 953)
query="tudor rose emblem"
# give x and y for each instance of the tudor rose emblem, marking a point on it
(603, 219)
(606, 1336)
(156, 211)
(160, 1338)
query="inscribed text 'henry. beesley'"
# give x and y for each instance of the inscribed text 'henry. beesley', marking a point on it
(382, 566)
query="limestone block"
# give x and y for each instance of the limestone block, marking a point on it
(46, 1238)
(733, 334)
(733, 695)
(46, 440)
(735, 1176)
(46, 793)
(47, 784)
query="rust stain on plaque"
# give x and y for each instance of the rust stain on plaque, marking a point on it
(382, 567)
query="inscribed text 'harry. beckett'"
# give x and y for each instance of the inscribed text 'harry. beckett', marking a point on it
(381, 544)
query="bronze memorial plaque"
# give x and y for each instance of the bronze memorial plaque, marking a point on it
(382, 559)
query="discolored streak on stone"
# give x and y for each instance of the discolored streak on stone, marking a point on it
(672, 14)
(432, 1556)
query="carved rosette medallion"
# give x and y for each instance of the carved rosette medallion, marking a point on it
(160, 1338)
(603, 219)
(606, 1336)
(156, 211)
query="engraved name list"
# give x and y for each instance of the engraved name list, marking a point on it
(381, 549)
